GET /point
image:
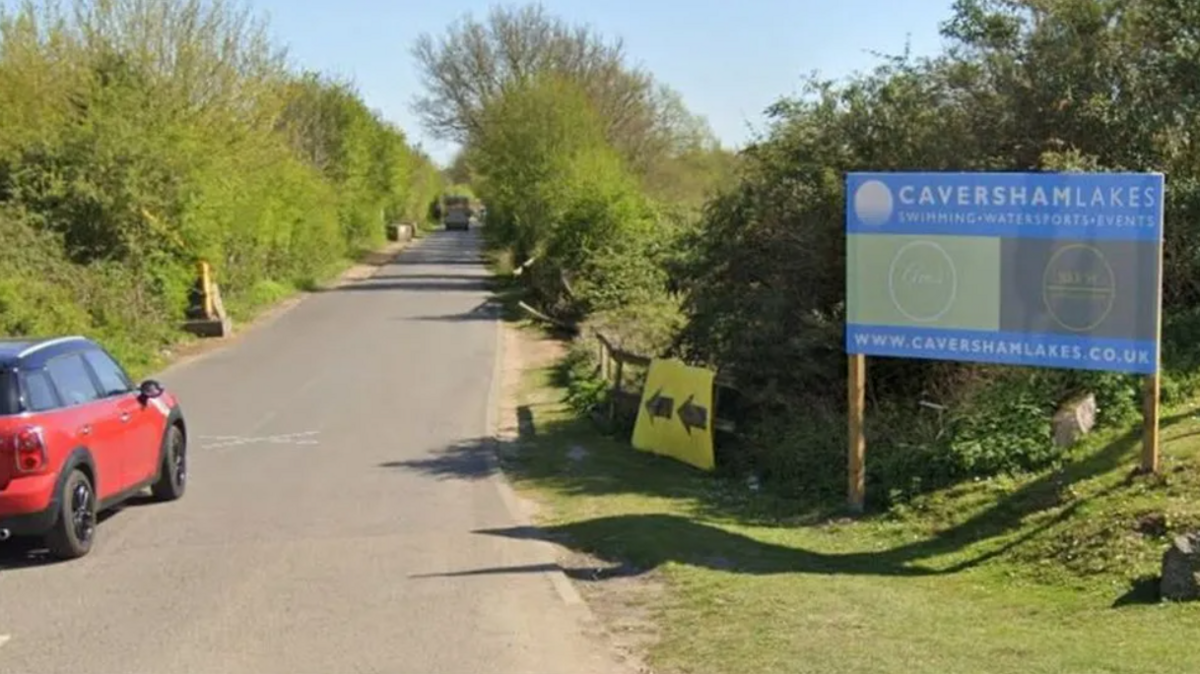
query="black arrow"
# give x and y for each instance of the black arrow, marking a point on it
(659, 405)
(693, 415)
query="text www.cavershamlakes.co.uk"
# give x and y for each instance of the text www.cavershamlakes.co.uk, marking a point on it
(1004, 347)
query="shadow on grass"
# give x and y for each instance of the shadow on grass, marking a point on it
(615, 469)
(1048, 492)
(637, 544)
(648, 541)
(566, 458)
(1143, 591)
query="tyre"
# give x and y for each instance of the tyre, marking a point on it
(75, 529)
(172, 477)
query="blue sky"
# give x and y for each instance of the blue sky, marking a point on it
(729, 58)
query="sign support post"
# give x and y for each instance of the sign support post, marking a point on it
(1150, 395)
(857, 390)
(1150, 406)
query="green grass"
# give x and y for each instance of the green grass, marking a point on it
(1046, 573)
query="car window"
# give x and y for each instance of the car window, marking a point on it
(39, 392)
(9, 397)
(72, 379)
(113, 380)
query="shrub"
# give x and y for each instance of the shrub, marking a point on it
(142, 137)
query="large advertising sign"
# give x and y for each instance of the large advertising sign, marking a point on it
(1043, 269)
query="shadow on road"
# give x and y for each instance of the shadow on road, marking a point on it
(25, 552)
(445, 248)
(430, 277)
(452, 318)
(22, 553)
(485, 311)
(438, 286)
(468, 460)
(581, 573)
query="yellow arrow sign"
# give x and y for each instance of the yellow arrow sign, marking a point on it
(675, 415)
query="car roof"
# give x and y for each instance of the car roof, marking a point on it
(15, 349)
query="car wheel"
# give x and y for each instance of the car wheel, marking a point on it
(75, 528)
(172, 479)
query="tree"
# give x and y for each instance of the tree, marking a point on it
(476, 61)
(459, 171)
(557, 190)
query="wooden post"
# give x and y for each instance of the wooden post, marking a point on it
(857, 398)
(716, 401)
(1150, 443)
(1151, 461)
(603, 354)
(616, 389)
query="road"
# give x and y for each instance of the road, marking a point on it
(338, 484)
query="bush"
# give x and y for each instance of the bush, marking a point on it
(766, 282)
(123, 163)
(556, 190)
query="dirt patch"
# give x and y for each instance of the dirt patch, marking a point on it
(621, 599)
(522, 351)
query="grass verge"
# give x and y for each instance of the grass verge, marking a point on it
(1045, 573)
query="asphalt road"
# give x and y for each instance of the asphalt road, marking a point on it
(338, 488)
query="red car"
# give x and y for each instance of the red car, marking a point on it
(77, 437)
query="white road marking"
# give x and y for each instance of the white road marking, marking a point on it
(222, 441)
(4, 639)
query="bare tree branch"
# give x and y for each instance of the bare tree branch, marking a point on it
(474, 60)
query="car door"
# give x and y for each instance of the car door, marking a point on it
(138, 433)
(92, 417)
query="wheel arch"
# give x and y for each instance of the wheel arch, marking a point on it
(80, 459)
(174, 418)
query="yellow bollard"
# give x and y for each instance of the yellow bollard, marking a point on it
(206, 289)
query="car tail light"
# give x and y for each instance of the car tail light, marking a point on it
(29, 449)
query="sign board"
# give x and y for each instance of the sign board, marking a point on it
(676, 411)
(1042, 269)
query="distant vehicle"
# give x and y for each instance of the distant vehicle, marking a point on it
(457, 212)
(77, 437)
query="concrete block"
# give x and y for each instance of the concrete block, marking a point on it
(218, 327)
